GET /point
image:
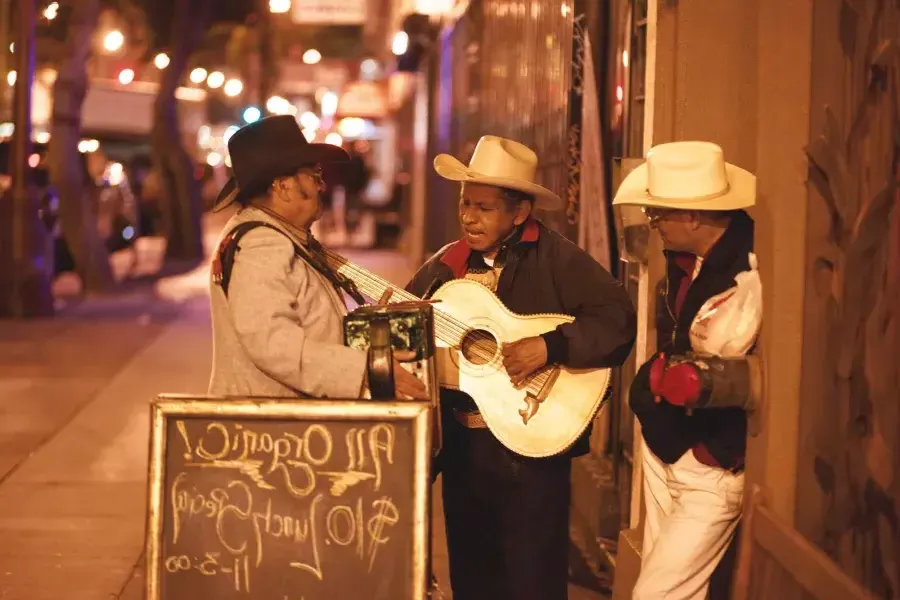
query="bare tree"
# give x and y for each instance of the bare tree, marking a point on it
(182, 205)
(79, 223)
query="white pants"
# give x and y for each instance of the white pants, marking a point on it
(692, 512)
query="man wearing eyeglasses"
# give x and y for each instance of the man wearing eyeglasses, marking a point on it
(693, 460)
(277, 307)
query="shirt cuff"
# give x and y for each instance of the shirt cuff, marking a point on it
(557, 347)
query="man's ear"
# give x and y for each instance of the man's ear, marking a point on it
(523, 211)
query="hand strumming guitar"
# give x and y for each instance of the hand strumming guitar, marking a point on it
(524, 357)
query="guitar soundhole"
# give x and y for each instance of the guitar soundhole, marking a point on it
(479, 346)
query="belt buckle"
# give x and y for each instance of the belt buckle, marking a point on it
(470, 420)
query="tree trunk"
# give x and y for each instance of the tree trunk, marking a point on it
(182, 202)
(76, 211)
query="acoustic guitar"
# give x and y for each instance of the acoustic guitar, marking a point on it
(542, 417)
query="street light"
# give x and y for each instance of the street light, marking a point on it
(215, 80)
(251, 114)
(329, 104)
(233, 87)
(278, 105)
(51, 11)
(198, 75)
(161, 60)
(309, 120)
(113, 41)
(400, 44)
(279, 6)
(312, 56)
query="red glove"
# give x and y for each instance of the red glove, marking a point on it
(679, 384)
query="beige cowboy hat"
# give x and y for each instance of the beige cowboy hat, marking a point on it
(503, 163)
(688, 176)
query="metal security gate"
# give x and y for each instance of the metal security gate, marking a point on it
(507, 69)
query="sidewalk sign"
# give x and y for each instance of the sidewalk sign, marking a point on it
(266, 498)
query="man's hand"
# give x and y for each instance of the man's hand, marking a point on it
(407, 385)
(524, 357)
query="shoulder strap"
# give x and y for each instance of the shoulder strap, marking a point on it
(228, 248)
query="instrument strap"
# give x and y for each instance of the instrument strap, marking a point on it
(313, 256)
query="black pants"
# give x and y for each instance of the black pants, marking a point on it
(507, 519)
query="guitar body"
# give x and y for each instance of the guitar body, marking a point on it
(543, 417)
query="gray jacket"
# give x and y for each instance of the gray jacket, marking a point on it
(279, 331)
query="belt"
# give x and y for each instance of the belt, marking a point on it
(472, 420)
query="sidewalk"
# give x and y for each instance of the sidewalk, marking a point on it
(74, 429)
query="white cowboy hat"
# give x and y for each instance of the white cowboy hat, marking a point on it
(688, 176)
(502, 163)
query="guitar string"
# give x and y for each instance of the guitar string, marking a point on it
(455, 328)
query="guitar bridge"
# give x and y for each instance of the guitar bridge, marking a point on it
(533, 401)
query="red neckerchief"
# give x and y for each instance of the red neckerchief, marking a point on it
(457, 255)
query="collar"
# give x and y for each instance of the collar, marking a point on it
(255, 212)
(457, 255)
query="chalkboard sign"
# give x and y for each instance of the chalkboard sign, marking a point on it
(288, 500)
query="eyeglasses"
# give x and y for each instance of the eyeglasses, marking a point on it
(316, 173)
(655, 215)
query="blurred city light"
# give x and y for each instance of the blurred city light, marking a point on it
(86, 146)
(161, 60)
(126, 76)
(329, 104)
(11, 78)
(34, 160)
(278, 105)
(369, 67)
(233, 87)
(229, 131)
(41, 137)
(400, 43)
(351, 127)
(334, 139)
(215, 79)
(51, 11)
(312, 56)
(198, 75)
(115, 174)
(214, 159)
(309, 134)
(113, 41)
(309, 120)
(251, 114)
(279, 6)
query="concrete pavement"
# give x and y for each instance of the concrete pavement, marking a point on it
(74, 396)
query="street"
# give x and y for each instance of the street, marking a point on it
(74, 396)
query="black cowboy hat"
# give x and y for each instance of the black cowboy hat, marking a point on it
(270, 148)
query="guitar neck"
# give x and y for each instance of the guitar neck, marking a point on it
(373, 286)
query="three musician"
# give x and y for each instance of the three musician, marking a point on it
(507, 516)
(277, 310)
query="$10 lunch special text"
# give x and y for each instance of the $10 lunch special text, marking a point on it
(242, 509)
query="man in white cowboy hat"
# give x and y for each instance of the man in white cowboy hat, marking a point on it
(693, 460)
(276, 306)
(507, 517)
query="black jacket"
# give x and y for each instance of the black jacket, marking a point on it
(667, 429)
(546, 273)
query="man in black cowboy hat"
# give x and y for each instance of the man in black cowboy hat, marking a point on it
(276, 306)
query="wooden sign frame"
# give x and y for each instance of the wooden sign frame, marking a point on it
(419, 414)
